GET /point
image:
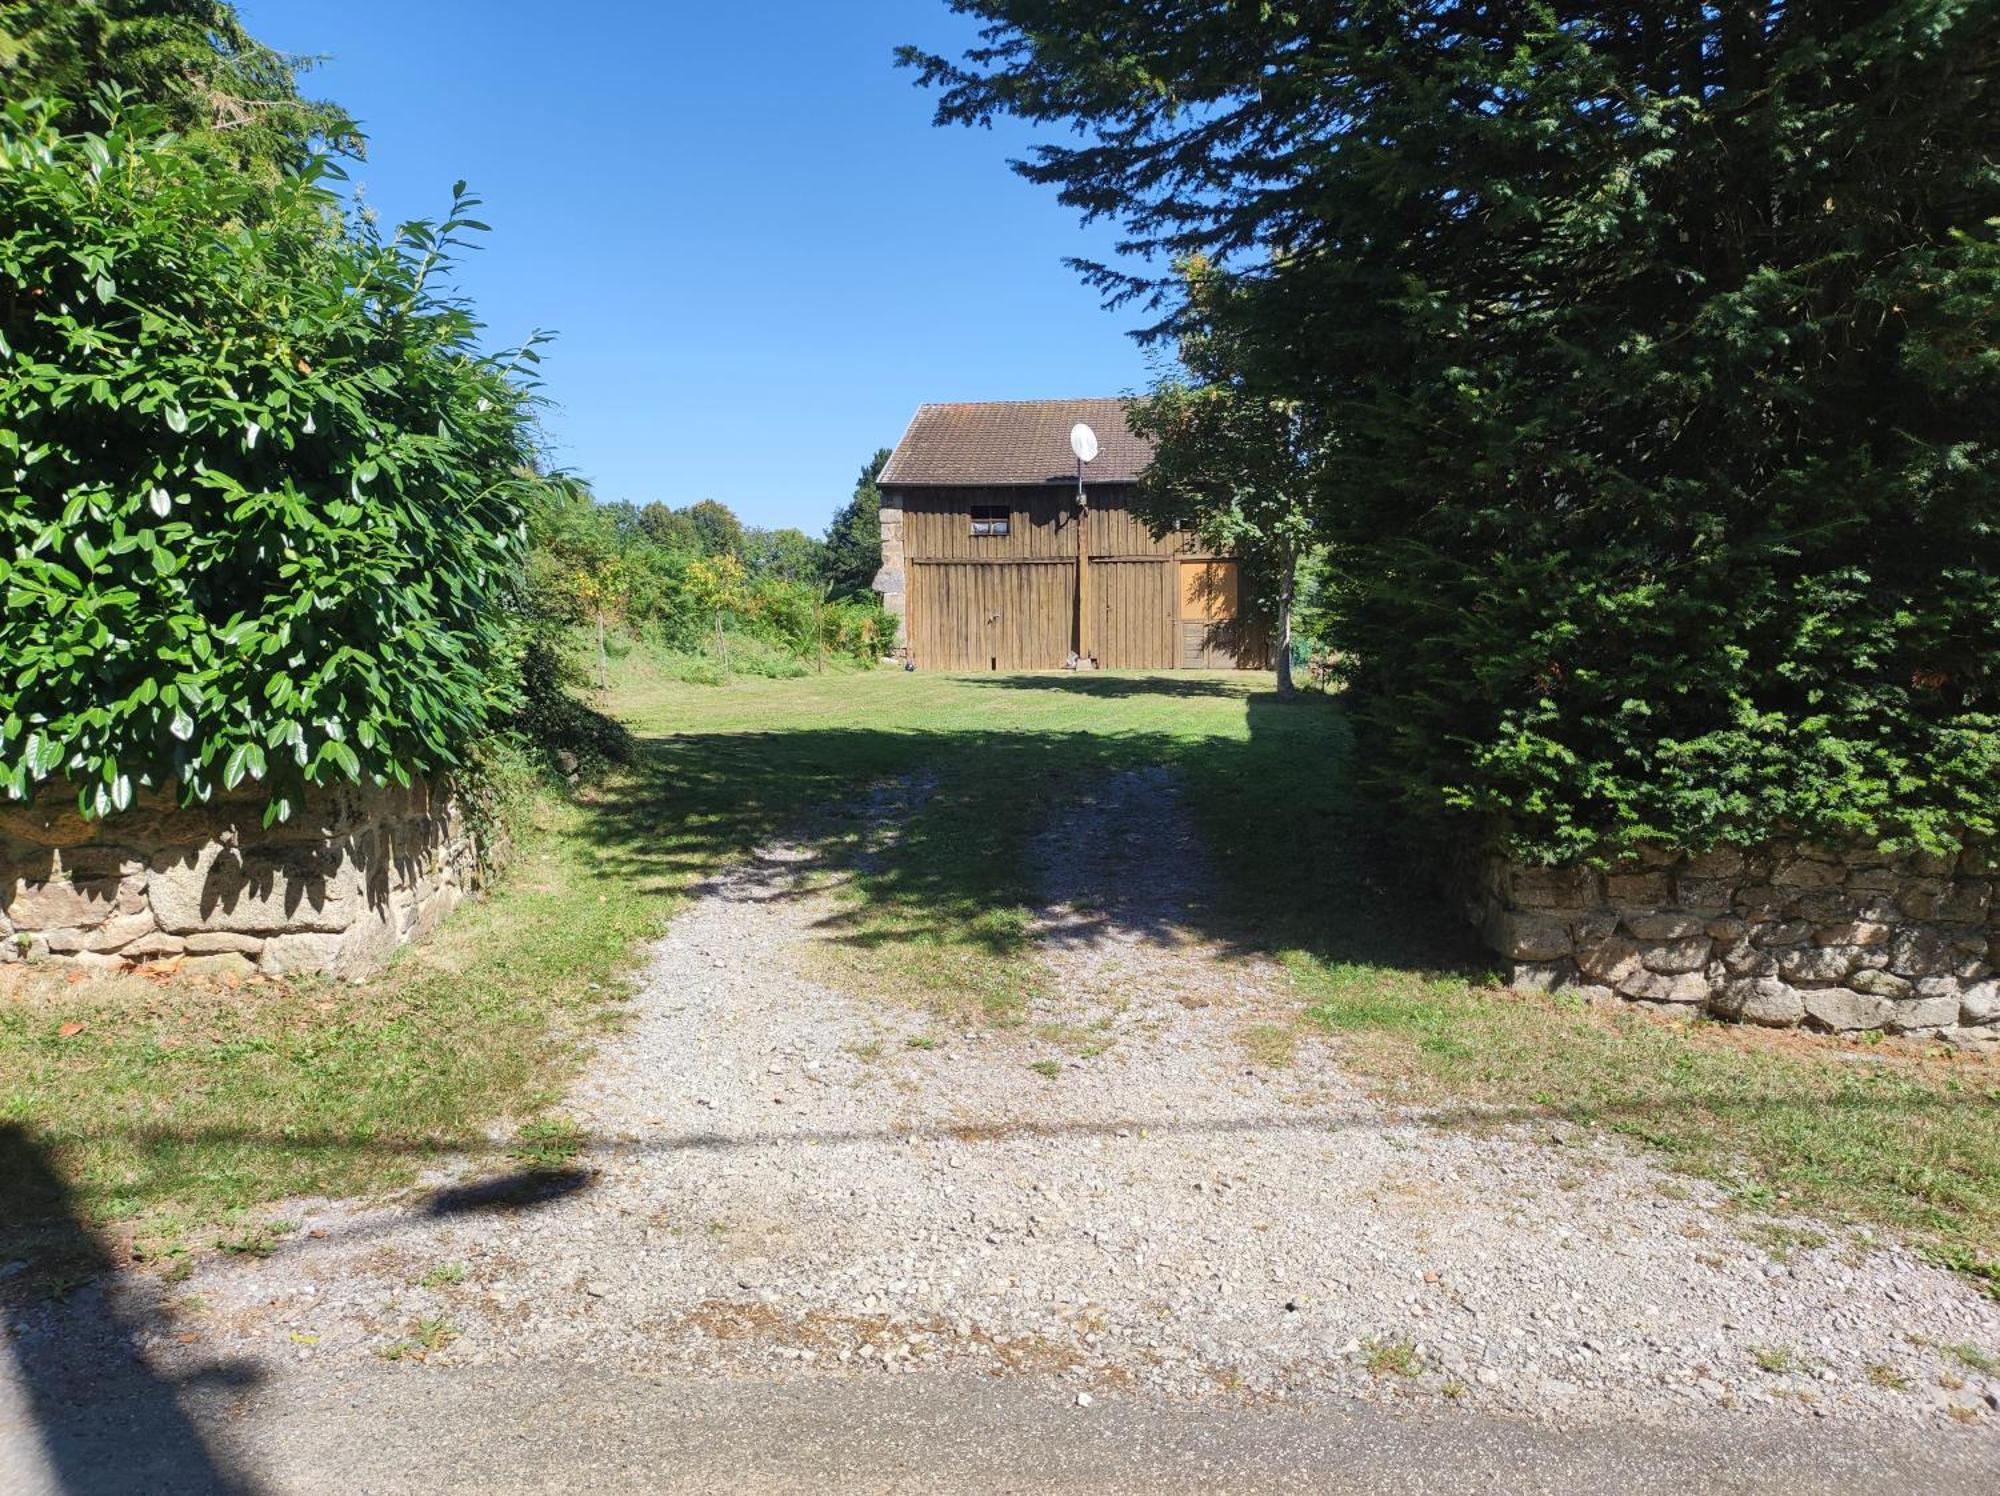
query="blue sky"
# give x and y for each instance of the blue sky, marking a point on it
(757, 253)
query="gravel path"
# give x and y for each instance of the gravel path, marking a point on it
(779, 1183)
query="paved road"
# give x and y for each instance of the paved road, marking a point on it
(394, 1429)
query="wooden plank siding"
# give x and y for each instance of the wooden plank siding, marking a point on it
(1009, 602)
(1041, 525)
(1134, 606)
(974, 615)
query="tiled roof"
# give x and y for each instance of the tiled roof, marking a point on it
(1014, 441)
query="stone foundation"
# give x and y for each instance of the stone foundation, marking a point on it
(890, 579)
(353, 875)
(1785, 935)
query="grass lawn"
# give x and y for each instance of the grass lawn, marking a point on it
(175, 1105)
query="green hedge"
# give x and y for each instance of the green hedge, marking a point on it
(263, 497)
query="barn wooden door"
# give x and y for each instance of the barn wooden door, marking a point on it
(1006, 615)
(1210, 606)
(1135, 613)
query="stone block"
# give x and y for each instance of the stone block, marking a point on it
(1529, 935)
(1807, 872)
(1781, 932)
(1979, 1003)
(1553, 887)
(1644, 888)
(56, 901)
(208, 942)
(1919, 898)
(1593, 926)
(121, 930)
(220, 888)
(1612, 962)
(1710, 895)
(1966, 902)
(1761, 1000)
(1846, 1011)
(1742, 959)
(1664, 924)
(1728, 929)
(1679, 988)
(1760, 901)
(1718, 862)
(1873, 880)
(1880, 983)
(308, 952)
(1674, 957)
(1540, 976)
(1855, 933)
(154, 946)
(1816, 963)
(1825, 906)
(1923, 1013)
(1920, 951)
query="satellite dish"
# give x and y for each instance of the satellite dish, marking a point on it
(1083, 442)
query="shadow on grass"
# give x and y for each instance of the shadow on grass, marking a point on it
(1294, 860)
(104, 1419)
(1111, 687)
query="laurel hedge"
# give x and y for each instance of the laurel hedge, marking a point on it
(261, 495)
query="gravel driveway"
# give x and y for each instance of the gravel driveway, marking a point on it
(779, 1184)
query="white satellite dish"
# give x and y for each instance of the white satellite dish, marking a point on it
(1083, 442)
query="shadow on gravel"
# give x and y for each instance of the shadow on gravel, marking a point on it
(524, 1189)
(105, 1420)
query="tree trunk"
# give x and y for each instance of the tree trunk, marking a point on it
(1286, 580)
(603, 659)
(721, 643)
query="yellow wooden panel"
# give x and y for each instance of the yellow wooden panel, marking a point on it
(1209, 591)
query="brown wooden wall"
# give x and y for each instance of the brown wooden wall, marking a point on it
(975, 616)
(937, 524)
(1132, 614)
(1008, 602)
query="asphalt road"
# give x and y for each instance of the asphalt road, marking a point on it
(413, 1428)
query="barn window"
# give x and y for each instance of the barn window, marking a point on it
(989, 519)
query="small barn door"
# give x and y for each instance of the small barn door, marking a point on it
(1210, 603)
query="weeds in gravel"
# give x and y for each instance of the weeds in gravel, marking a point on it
(1391, 1357)
(444, 1275)
(1046, 1069)
(1972, 1358)
(1776, 1359)
(259, 1241)
(1882, 1374)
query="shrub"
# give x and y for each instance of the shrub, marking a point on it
(265, 498)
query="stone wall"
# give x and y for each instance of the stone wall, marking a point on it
(1788, 934)
(353, 875)
(889, 581)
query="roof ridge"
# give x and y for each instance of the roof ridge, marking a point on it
(1038, 400)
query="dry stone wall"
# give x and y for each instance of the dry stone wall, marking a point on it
(1789, 934)
(353, 875)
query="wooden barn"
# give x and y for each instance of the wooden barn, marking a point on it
(991, 562)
